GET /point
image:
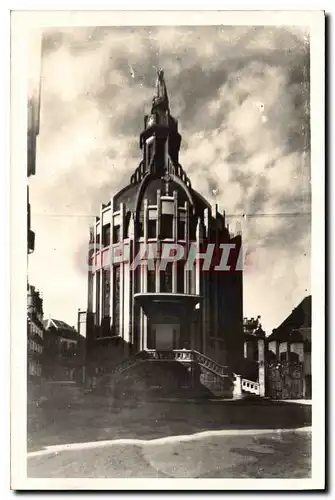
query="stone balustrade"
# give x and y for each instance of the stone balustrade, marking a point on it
(181, 355)
(249, 386)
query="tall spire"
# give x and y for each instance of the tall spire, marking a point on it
(160, 101)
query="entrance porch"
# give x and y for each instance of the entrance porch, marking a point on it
(169, 319)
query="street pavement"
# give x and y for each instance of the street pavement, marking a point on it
(237, 454)
(246, 439)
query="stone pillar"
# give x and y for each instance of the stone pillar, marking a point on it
(245, 349)
(237, 391)
(261, 367)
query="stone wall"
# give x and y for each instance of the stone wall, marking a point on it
(217, 385)
(285, 381)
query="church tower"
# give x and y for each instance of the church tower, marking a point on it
(154, 310)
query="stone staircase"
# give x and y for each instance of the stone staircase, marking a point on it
(203, 373)
(199, 375)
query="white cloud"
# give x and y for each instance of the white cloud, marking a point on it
(232, 92)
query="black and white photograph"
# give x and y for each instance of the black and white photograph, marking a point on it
(170, 166)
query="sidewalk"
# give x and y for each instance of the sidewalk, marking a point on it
(307, 402)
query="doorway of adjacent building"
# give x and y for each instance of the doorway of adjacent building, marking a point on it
(165, 336)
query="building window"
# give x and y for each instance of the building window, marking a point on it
(140, 229)
(98, 239)
(149, 151)
(166, 226)
(116, 234)
(283, 357)
(106, 293)
(116, 300)
(151, 283)
(137, 276)
(152, 231)
(181, 230)
(180, 278)
(166, 279)
(106, 235)
(97, 297)
(127, 224)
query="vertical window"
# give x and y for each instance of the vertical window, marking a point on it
(149, 151)
(127, 224)
(181, 230)
(160, 152)
(180, 278)
(116, 234)
(137, 277)
(106, 235)
(283, 356)
(152, 232)
(166, 226)
(98, 239)
(151, 287)
(116, 299)
(166, 279)
(106, 293)
(97, 297)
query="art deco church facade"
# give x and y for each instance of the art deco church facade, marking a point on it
(132, 309)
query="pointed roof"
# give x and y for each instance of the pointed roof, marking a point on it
(160, 99)
(297, 325)
(58, 324)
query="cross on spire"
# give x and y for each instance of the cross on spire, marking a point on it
(160, 101)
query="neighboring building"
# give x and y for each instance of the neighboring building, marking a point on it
(34, 91)
(254, 352)
(289, 354)
(35, 335)
(149, 309)
(253, 334)
(64, 352)
(35, 328)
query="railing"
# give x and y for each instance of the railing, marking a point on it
(175, 355)
(185, 355)
(244, 385)
(181, 355)
(129, 362)
(210, 364)
(249, 386)
(188, 356)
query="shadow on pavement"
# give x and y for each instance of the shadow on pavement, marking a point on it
(96, 418)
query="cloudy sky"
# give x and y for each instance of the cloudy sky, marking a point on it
(241, 95)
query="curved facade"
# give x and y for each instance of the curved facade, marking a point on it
(138, 300)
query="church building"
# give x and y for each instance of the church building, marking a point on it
(138, 305)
